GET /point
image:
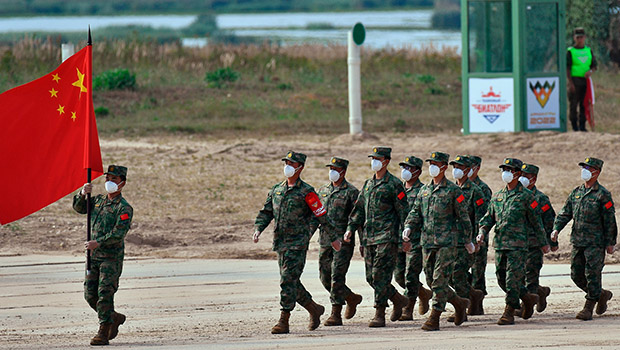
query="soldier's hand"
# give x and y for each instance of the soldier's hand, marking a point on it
(406, 246)
(91, 245)
(554, 236)
(362, 251)
(347, 236)
(554, 248)
(256, 235)
(546, 249)
(470, 248)
(88, 188)
(337, 244)
(480, 239)
(611, 249)
(406, 233)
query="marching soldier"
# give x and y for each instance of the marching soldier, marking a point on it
(380, 209)
(594, 232)
(292, 204)
(437, 220)
(111, 217)
(338, 196)
(513, 212)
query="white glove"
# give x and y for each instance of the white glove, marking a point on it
(347, 236)
(256, 235)
(480, 238)
(406, 233)
(470, 248)
(554, 236)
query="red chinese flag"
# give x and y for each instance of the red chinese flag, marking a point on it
(48, 138)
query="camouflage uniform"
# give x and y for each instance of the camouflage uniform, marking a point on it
(479, 266)
(594, 229)
(333, 266)
(292, 209)
(110, 221)
(380, 209)
(512, 213)
(437, 221)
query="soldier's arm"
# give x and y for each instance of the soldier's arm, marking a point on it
(534, 217)
(400, 202)
(487, 222)
(357, 216)
(414, 221)
(565, 215)
(480, 208)
(119, 231)
(548, 217)
(79, 203)
(265, 215)
(462, 213)
(610, 228)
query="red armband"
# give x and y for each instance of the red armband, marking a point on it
(460, 198)
(313, 201)
(480, 202)
(545, 208)
(124, 217)
(534, 204)
(609, 205)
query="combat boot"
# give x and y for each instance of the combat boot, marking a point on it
(586, 313)
(117, 320)
(601, 306)
(543, 293)
(334, 319)
(379, 319)
(460, 309)
(315, 310)
(282, 326)
(475, 301)
(102, 336)
(352, 300)
(527, 307)
(399, 302)
(508, 317)
(408, 311)
(425, 296)
(432, 323)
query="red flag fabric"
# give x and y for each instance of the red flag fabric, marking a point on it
(48, 137)
(588, 103)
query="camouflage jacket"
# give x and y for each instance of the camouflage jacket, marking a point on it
(412, 193)
(110, 220)
(476, 208)
(513, 213)
(593, 213)
(292, 209)
(439, 216)
(339, 203)
(484, 187)
(380, 209)
(546, 212)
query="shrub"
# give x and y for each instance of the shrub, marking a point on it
(101, 111)
(117, 79)
(219, 78)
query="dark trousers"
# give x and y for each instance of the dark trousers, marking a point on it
(578, 120)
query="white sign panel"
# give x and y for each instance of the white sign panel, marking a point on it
(543, 103)
(491, 105)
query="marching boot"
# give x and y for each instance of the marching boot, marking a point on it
(543, 293)
(432, 323)
(425, 296)
(508, 317)
(334, 319)
(399, 302)
(408, 311)
(315, 310)
(117, 320)
(601, 306)
(475, 301)
(352, 300)
(282, 326)
(460, 309)
(379, 319)
(586, 313)
(527, 307)
(102, 335)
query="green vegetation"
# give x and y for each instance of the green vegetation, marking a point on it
(116, 79)
(220, 77)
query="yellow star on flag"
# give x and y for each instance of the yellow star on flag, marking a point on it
(61, 109)
(55, 77)
(54, 93)
(80, 82)
(73, 116)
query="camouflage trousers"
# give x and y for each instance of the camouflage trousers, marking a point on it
(400, 268)
(291, 264)
(438, 267)
(586, 269)
(461, 276)
(100, 286)
(478, 269)
(412, 274)
(333, 267)
(379, 261)
(533, 264)
(510, 272)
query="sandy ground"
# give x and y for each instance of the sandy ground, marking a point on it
(232, 304)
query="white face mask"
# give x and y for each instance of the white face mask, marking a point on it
(470, 173)
(289, 170)
(586, 174)
(433, 170)
(457, 173)
(524, 181)
(507, 176)
(111, 187)
(406, 174)
(376, 165)
(334, 175)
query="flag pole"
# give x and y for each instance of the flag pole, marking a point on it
(88, 170)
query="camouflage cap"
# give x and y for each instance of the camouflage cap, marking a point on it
(579, 31)
(338, 162)
(412, 161)
(381, 151)
(530, 169)
(513, 163)
(295, 157)
(593, 162)
(462, 160)
(439, 157)
(475, 160)
(117, 170)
